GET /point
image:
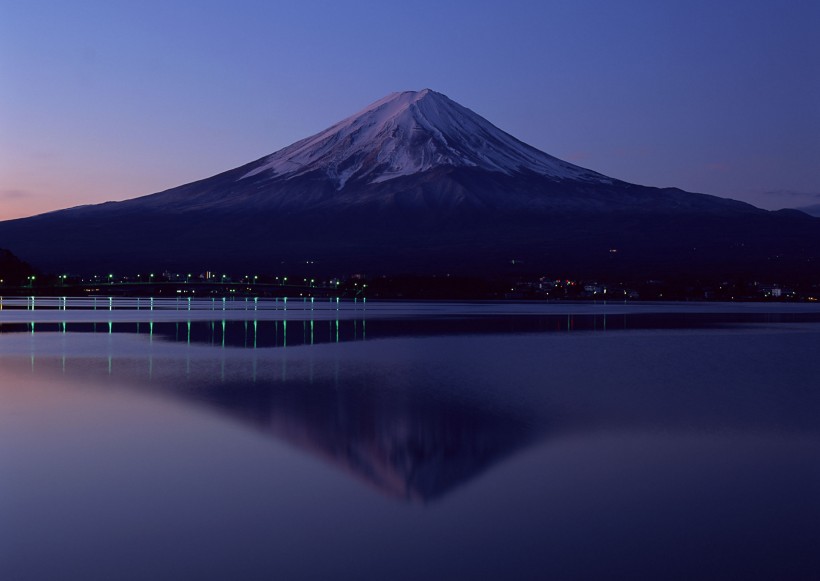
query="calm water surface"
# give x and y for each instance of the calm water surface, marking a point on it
(438, 442)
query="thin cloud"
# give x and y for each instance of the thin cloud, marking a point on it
(577, 156)
(807, 196)
(15, 194)
(718, 166)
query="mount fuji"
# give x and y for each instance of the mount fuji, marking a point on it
(416, 183)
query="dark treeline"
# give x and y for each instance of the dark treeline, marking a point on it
(13, 271)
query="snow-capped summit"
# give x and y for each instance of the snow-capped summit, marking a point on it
(408, 133)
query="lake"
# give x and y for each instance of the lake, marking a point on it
(409, 440)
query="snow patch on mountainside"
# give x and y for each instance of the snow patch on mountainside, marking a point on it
(412, 132)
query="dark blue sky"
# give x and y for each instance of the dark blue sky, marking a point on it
(104, 99)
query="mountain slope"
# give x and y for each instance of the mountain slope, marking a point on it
(813, 210)
(380, 157)
(417, 183)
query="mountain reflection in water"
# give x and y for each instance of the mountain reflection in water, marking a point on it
(411, 446)
(390, 429)
(404, 439)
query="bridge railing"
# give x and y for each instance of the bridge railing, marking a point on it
(99, 303)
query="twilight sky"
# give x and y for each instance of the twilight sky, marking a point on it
(113, 99)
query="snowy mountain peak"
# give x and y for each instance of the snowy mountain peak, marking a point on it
(412, 132)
